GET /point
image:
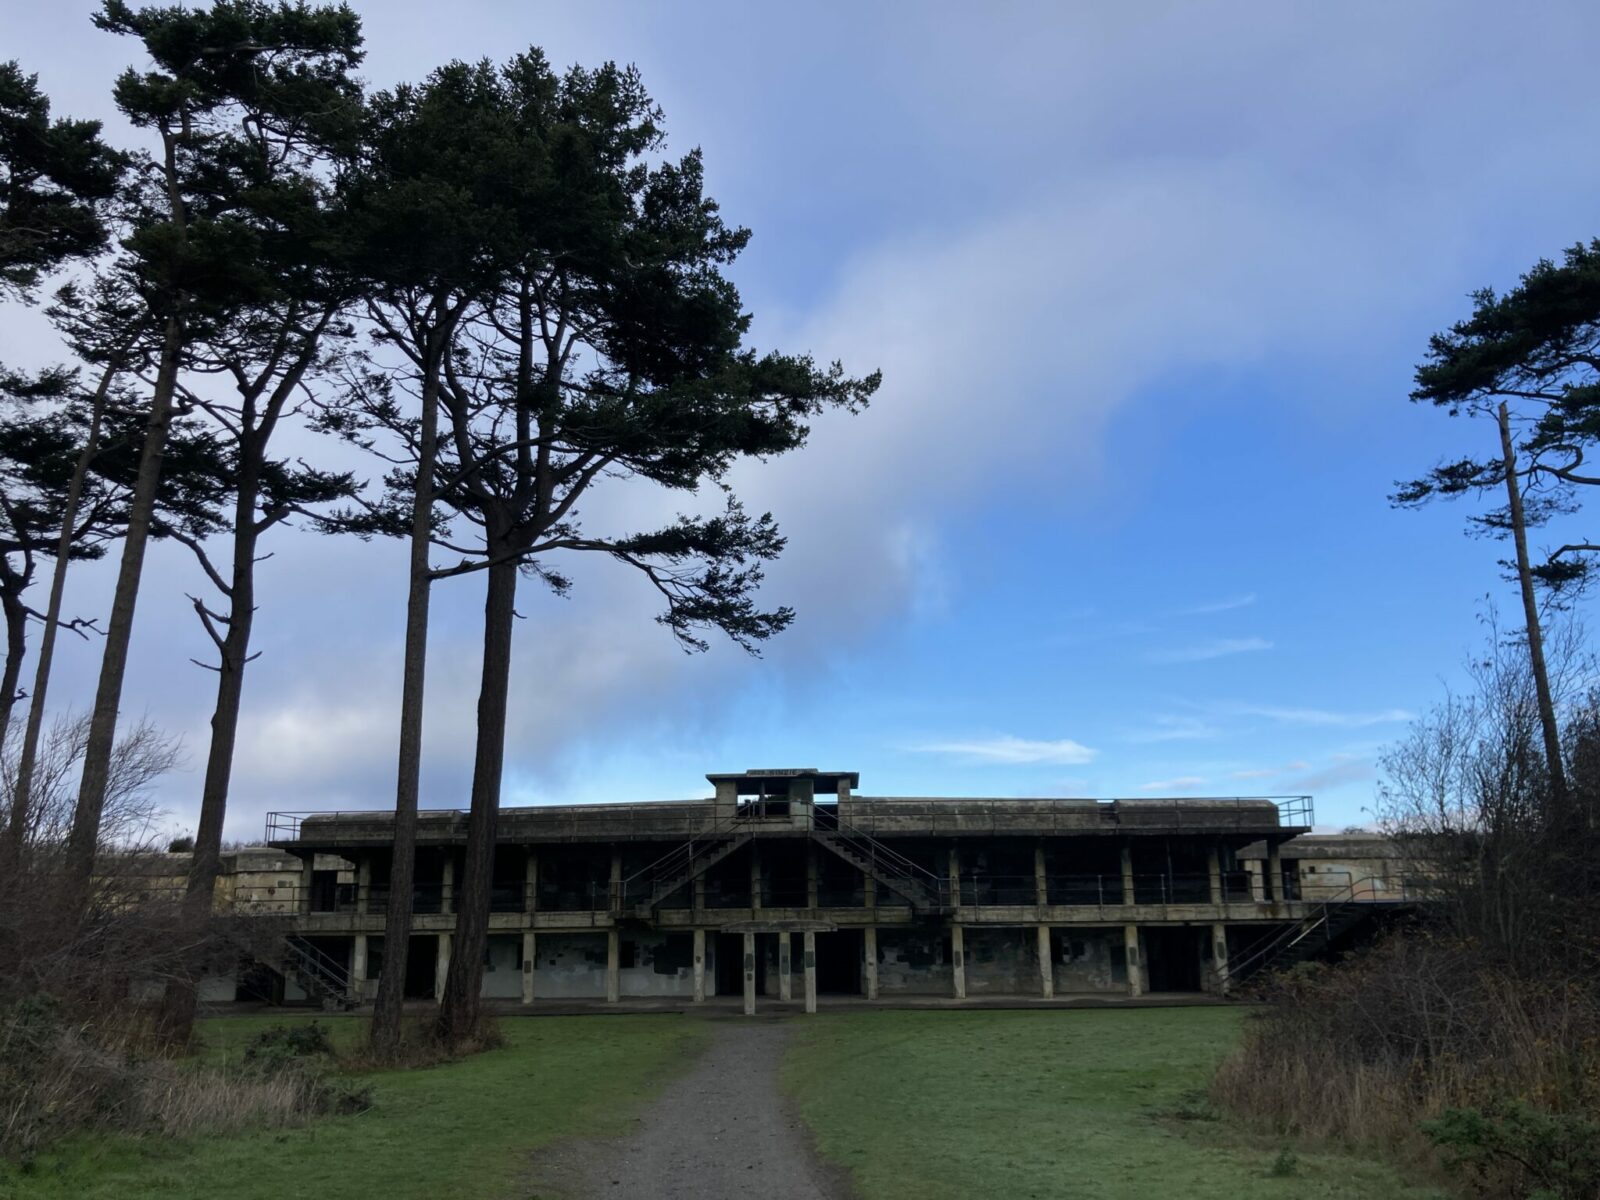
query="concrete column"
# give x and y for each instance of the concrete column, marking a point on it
(1274, 881)
(1041, 882)
(614, 893)
(358, 967)
(363, 882)
(441, 967)
(1047, 965)
(1130, 942)
(958, 961)
(755, 876)
(811, 876)
(530, 881)
(305, 883)
(1127, 874)
(785, 969)
(447, 889)
(869, 940)
(811, 971)
(699, 894)
(529, 949)
(699, 966)
(749, 974)
(869, 892)
(953, 868)
(1214, 870)
(613, 965)
(1219, 956)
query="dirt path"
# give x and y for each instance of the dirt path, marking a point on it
(723, 1131)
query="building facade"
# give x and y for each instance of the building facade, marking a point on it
(787, 885)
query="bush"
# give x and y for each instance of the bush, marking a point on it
(57, 1077)
(1509, 1148)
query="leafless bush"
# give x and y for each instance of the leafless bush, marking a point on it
(58, 1077)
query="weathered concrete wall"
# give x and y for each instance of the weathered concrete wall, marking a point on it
(913, 962)
(1002, 961)
(663, 964)
(502, 974)
(570, 966)
(1089, 960)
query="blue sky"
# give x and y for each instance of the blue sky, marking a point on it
(1147, 286)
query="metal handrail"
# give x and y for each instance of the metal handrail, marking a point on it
(1318, 917)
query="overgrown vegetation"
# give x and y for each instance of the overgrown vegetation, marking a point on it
(1472, 1042)
(61, 1077)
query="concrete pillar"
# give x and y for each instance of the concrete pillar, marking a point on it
(953, 869)
(447, 888)
(1130, 942)
(755, 876)
(1214, 870)
(699, 966)
(869, 892)
(305, 882)
(529, 949)
(1041, 882)
(699, 894)
(869, 939)
(363, 882)
(614, 893)
(1047, 966)
(811, 876)
(1274, 881)
(530, 881)
(358, 967)
(1127, 874)
(441, 966)
(811, 971)
(958, 961)
(785, 969)
(1219, 956)
(613, 965)
(749, 974)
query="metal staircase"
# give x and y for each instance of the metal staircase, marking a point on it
(323, 977)
(1324, 924)
(640, 893)
(927, 893)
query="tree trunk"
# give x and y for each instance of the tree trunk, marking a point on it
(11, 847)
(16, 617)
(385, 1032)
(180, 1001)
(1530, 612)
(458, 1017)
(85, 835)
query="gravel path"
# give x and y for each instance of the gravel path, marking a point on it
(723, 1131)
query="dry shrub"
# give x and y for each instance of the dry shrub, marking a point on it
(58, 1077)
(1420, 1027)
(421, 1046)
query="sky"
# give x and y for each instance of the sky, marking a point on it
(1147, 285)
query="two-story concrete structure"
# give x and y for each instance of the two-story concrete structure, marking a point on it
(787, 884)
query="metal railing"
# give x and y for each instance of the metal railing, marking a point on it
(1325, 915)
(889, 866)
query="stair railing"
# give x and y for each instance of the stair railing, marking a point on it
(319, 969)
(1319, 917)
(891, 862)
(675, 861)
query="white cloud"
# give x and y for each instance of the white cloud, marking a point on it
(1014, 751)
(1217, 606)
(1173, 785)
(1205, 651)
(1320, 716)
(1258, 773)
(1175, 729)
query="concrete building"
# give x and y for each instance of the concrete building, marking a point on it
(786, 885)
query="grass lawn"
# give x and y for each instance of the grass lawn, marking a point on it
(462, 1129)
(1091, 1105)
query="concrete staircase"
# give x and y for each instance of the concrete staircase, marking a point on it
(1305, 939)
(324, 979)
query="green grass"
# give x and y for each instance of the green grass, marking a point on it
(461, 1129)
(1092, 1105)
